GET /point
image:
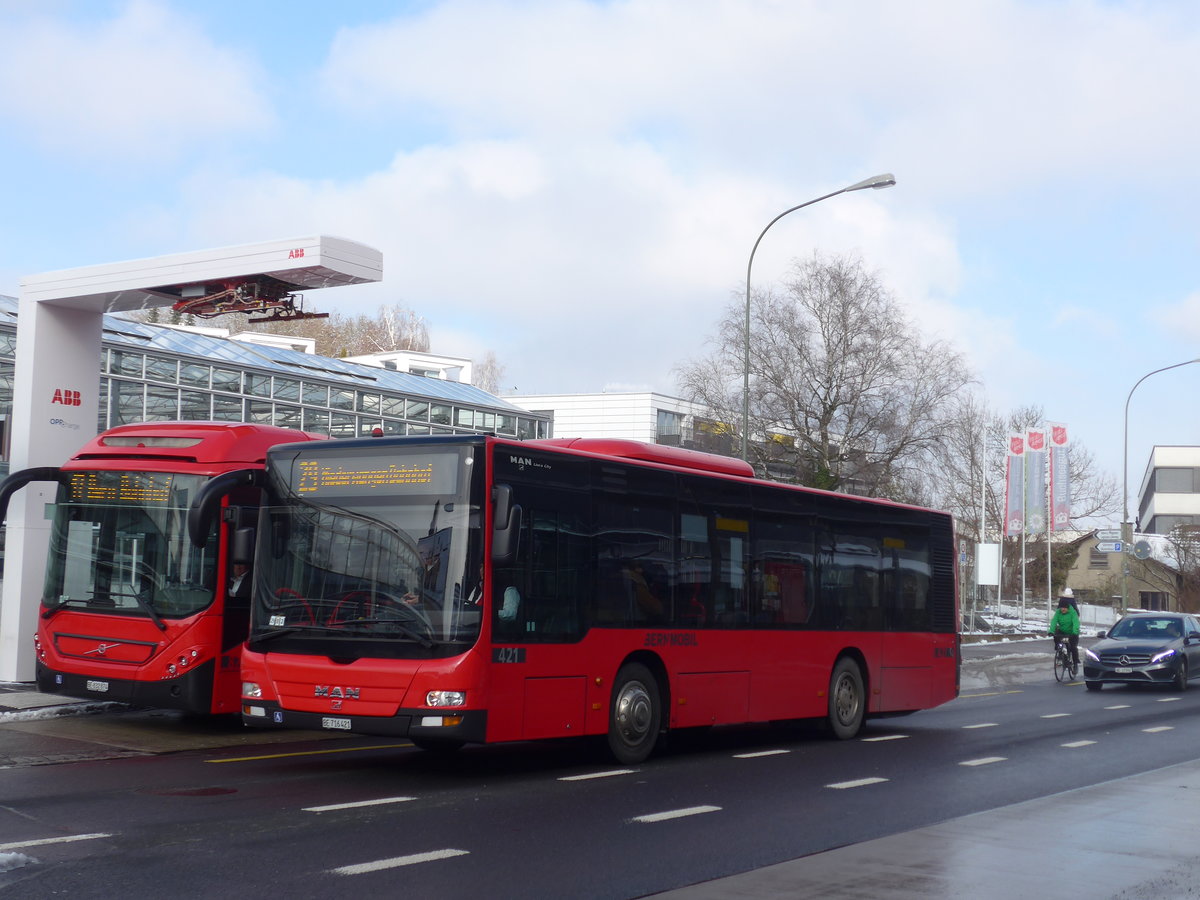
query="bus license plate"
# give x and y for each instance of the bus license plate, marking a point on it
(99, 687)
(1123, 670)
(339, 724)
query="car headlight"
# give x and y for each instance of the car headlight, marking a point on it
(252, 690)
(445, 698)
(1090, 655)
(1166, 654)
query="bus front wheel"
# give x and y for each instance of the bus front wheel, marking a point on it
(847, 699)
(635, 716)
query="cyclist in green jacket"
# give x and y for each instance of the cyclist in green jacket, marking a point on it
(1064, 625)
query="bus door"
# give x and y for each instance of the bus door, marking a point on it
(907, 652)
(539, 679)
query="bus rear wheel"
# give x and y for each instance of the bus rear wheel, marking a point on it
(847, 699)
(635, 716)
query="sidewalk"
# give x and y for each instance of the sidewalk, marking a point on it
(24, 702)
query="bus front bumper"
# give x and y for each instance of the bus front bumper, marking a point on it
(469, 726)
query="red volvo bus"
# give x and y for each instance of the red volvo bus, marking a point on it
(474, 589)
(132, 610)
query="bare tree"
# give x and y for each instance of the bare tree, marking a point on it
(970, 470)
(391, 328)
(488, 373)
(845, 393)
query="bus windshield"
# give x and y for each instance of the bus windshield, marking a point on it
(119, 545)
(384, 560)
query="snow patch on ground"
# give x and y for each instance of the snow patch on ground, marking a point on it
(10, 861)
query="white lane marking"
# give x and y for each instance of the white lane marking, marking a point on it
(592, 775)
(1158, 729)
(1073, 744)
(675, 814)
(20, 845)
(859, 782)
(983, 761)
(885, 737)
(357, 804)
(1168, 699)
(1055, 715)
(1118, 706)
(759, 753)
(981, 725)
(397, 861)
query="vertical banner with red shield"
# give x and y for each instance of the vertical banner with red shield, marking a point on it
(1035, 481)
(1060, 478)
(1014, 487)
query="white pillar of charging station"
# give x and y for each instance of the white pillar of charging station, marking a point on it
(56, 384)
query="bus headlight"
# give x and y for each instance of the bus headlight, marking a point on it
(252, 690)
(445, 698)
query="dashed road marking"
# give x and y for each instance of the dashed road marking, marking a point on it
(759, 753)
(1055, 715)
(858, 782)
(983, 761)
(355, 805)
(1168, 699)
(21, 845)
(396, 862)
(675, 814)
(1159, 728)
(1118, 706)
(885, 737)
(591, 775)
(1073, 744)
(981, 725)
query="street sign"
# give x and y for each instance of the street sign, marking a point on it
(1108, 534)
(1110, 546)
(1142, 549)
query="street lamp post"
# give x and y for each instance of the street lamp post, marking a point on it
(1126, 528)
(879, 181)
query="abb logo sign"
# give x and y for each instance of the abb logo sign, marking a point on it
(296, 254)
(66, 397)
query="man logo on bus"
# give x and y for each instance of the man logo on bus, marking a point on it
(66, 397)
(324, 690)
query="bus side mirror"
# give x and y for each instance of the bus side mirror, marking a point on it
(208, 500)
(18, 480)
(506, 525)
(242, 550)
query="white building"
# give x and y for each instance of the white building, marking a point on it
(634, 415)
(1170, 490)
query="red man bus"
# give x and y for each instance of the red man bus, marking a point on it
(132, 610)
(474, 589)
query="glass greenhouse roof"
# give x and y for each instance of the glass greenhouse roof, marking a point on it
(126, 334)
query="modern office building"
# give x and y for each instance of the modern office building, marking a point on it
(1169, 494)
(634, 415)
(159, 372)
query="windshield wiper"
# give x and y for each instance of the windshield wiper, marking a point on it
(423, 640)
(145, 604)
(62, 604)
(264, 636)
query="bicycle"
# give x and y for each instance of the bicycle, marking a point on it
(1065, 668)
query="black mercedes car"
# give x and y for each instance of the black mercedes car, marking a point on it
(1145, 648)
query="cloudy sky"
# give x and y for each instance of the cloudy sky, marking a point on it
(576, 185)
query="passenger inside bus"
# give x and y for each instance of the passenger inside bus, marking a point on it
(644, 604)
